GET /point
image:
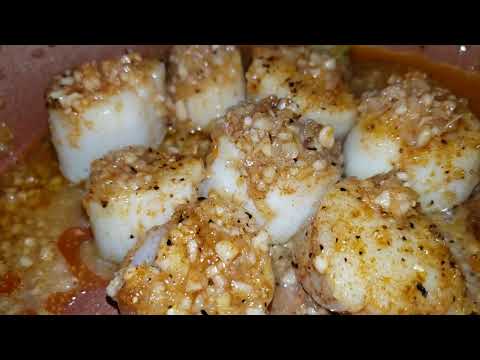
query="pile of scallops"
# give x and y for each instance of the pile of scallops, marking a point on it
(309, 200)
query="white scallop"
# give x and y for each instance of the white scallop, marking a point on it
(128, 117)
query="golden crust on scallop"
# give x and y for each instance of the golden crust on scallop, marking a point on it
(213, 260)
(357, 257)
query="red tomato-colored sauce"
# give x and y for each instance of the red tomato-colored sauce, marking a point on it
(69, 246)
(9, 282)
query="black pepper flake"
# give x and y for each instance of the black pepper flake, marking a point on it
(334, 163)
(412, 226)
(210, 221)
(345, 259)
(182, 179)
(203, 312)
(343, 189)
(131, 236)
(444, 142)
(360, 253)
(133, 169)
(452, 264)
(104, 204)
(295, 265)
(422, 290)
(201, 198)
(321, 247)
(357, 236)
(248, 214)
(170, 306)
(156, 187)
(311, 148)
(169, 242)
(210, 282)
(404, 238)
(150, 150)
(310, 255)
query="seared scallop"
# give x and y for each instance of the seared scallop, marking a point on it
(274, 163)
(100, 107)
(211, 258)
(422, 131)
(369, 251)
(461, 228)
(134, 189)
(204, 81)
(313, 80)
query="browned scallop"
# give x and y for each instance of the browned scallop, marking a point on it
(104, 106)
(210, 259)
(369, 251)
(424, 132)
(313, 80)
(275, 163)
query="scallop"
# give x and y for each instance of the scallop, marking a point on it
(461, 230)
(211, 258)
(100, 107)
(272, 162)
(133, 189)
(313, 80)
(370, 251)
(423, 132)
(205, 80)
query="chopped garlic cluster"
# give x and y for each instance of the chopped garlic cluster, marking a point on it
(212, 260)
